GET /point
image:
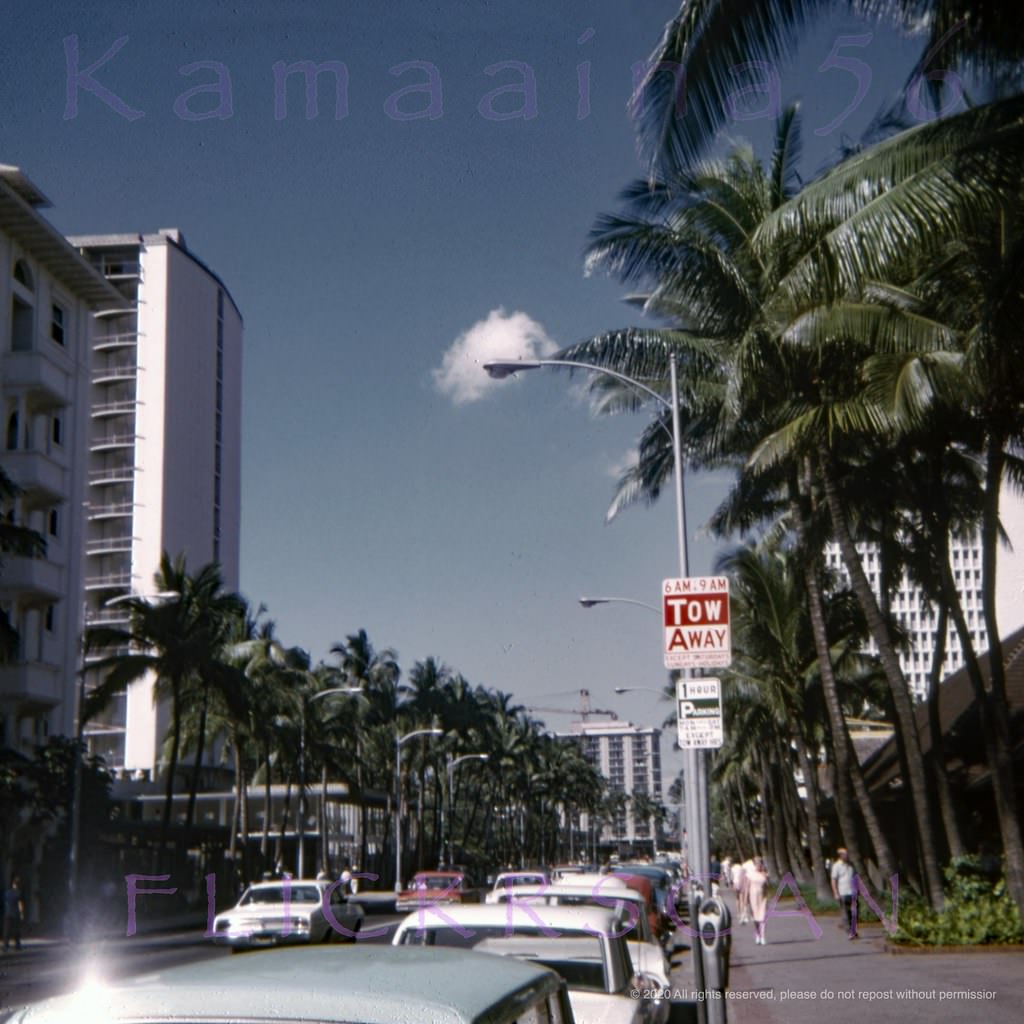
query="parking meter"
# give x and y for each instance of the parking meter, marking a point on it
(713, 921)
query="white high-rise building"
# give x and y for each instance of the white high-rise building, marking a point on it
(629, 757)
(48, 292)
(164, 448)
(919, 619)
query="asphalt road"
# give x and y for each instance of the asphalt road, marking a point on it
(42, 968)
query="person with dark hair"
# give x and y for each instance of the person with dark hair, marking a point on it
(14, 914)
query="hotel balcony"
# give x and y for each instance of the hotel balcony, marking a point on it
(105, 409)
(107, 617)
(109, 545)
(111, 475)
(36, 576)
(115, 340)
(39, 476)
(119, 270)
(111, 442)
(35, 372)
(112, 510)
(109, 581)
(114, 373)
(32, 682)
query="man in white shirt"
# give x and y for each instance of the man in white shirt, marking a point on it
(843, 889)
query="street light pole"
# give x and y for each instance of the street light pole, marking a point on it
(399, 740)
(300, 864)
(448, 824)
(694, 764)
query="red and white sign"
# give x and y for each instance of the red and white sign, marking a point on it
(696, 620)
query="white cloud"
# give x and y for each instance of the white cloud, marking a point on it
(501, 336)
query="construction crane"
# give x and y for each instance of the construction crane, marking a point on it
(584, 710)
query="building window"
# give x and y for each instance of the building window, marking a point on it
(23, 275)
(21, 325)
(57, 324)
(12, 432)
(51, 617)
(53, 523)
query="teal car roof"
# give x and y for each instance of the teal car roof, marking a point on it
(361, 985)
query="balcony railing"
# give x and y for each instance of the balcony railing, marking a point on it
(109, 545)
(113, 475)
(107, 617)
(114, 408)
(109, 441)
(119, 371)
(113, 510)
(121, 339)
(109, 581)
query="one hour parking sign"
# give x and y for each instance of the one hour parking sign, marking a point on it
(699, 707)
(696, 620)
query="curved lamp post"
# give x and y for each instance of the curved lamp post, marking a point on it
(448, 822)
(696, 777)
(399, 740)
(331, 691)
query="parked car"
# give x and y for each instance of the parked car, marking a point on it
(368, 985)
(509, 880)
(663, 925)
(645, 947)
(436, 888)
(585, 945)
(289, 910)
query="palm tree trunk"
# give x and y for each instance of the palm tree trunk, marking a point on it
(197, 768)
(995, 712)
(847, 767)
(268, 805)
(937, 756)
(172, 768)
(902, 705)
(809, 768)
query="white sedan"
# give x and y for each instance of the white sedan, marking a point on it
(647, 953)
(585, 945)
(290, 910)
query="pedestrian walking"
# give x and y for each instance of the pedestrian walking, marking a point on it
(757, 899)
(14, 914)
(843, 889)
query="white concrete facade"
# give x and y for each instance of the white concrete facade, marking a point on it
(629, 757)
(48, 292)
(919, 619)
(164, 452)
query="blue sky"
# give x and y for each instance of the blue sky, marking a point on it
(377, 254)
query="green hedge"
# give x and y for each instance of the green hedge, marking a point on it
(978, 911)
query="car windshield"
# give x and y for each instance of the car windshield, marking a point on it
(433, 882)
(281, 894)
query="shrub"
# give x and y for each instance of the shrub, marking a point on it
(978, 911)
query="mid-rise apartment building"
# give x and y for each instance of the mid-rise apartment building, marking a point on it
(629, 757)
(164, 448)
(918, 618)
(49, 293)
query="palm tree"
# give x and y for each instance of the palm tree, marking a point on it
(689, 87)
(178, 641)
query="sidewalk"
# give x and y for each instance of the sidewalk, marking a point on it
(802, 977)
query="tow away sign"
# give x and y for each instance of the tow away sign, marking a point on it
(699, 708)
(696, 620)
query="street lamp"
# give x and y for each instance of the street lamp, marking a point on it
(694, 762)
(448, 825)
(590, 602)
(330, 692)
(399, 740)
